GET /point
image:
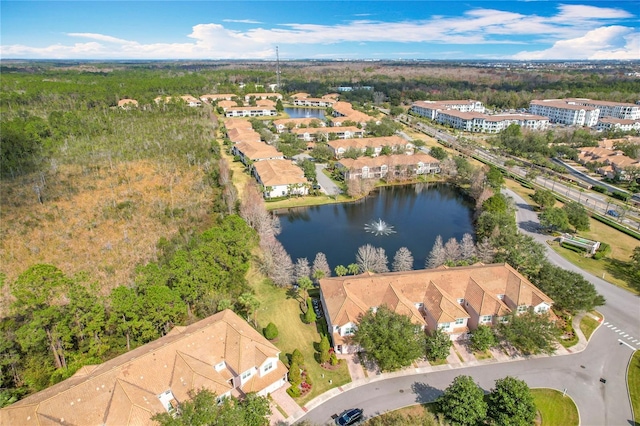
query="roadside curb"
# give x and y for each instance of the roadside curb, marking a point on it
(415, 371)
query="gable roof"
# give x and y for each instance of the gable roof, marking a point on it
(279, 172)
(257, 150)
(437, 289)
(125, 389)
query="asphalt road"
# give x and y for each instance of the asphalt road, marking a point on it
(594, 378)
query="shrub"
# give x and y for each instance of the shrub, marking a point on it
(270, 331)
(334, 359)
(294, 391)
(573, 248)
(297, 357)
(600, 189)
(324, 349)
(295, 376)
(309, 316)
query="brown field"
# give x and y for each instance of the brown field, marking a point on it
(101, 220)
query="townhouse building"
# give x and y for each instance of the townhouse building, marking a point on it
(454, 300)
(384, 166)
(221, 353)
(280, 178)
(375, 145)
(256, 111)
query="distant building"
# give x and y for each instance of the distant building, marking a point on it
(396, 143)
(250, 111)
(610, 123)
(431, 109)
(565, 112)
(383, 166)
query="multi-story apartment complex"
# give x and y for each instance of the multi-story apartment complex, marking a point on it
(478, 122)
(564, 112)
(621, 110)
(431, 109)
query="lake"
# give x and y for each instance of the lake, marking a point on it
(299, 112)
(418, 214)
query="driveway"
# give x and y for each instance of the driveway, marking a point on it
(328, 186)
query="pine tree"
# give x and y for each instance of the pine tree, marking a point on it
(403, 260)
(436, 255)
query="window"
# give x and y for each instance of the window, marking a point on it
(349, 331)
(541, 309)
(522, 308)
(246, 374)
(443, 325)
(486, 318)
(459, 321)
(268, 367)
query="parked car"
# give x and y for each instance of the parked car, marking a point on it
(317, 308)
(613, 213)
(349, 417)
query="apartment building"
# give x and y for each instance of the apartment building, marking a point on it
(564, 112)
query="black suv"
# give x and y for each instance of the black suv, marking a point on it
(349, 417)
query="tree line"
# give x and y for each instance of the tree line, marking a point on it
(58, 323)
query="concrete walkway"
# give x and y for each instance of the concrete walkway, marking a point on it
(356, 371)
(288, 405)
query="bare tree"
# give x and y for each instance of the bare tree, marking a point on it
(382, 262)
(478, 178)
(483, 196)
(254, 212)
(224, 172)
(448, 168)
(452, 250)
(302, 269)
(359, 187)
(403, 260)
(321, 267)
(436, 255)
(276, 262)
(467, 247)
(372, 259)
(484, 251)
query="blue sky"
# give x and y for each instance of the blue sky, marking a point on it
(525, 30)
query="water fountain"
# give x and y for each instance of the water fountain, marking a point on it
(379, 227)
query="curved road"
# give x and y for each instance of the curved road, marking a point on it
(594, 378)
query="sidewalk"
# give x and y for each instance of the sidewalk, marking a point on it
(453, 362)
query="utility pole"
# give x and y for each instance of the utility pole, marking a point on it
(277, 68)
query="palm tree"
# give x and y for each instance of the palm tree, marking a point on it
(341, 270)
(353, 268)
(250, 304)
(304, 285)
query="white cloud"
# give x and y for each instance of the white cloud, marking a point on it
(242, 21)
(101, 37)
(576, 31)
(612, 42)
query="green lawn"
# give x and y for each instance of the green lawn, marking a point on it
(588, 325)
(555, 410)
(599, 268)
(633, 384)
(284, 312)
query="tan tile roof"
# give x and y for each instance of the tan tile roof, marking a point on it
(560, 103)
(297, 121)
(300, 95)
(363, 143)
(243, 135)
(215, 97)
(438, 289)
(388, 160)
(257, 150)
(265, 102)
(227, 104)
(279, 172)
(124, 390)
(237, 123)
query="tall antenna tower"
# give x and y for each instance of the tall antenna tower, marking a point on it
(277, 68)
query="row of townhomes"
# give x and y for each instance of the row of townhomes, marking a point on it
(587, 112)
(469, 115)
(396, 143)
(278, 176)
(612, 163)
(399, 166)
(344, 112)
(454, 300)
(221, 353)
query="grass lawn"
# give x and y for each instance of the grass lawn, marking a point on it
(599, 268)
(633, 384)
(306, 201)
(555, 409)
(482, 355)
(588, 325)
(284, 312)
